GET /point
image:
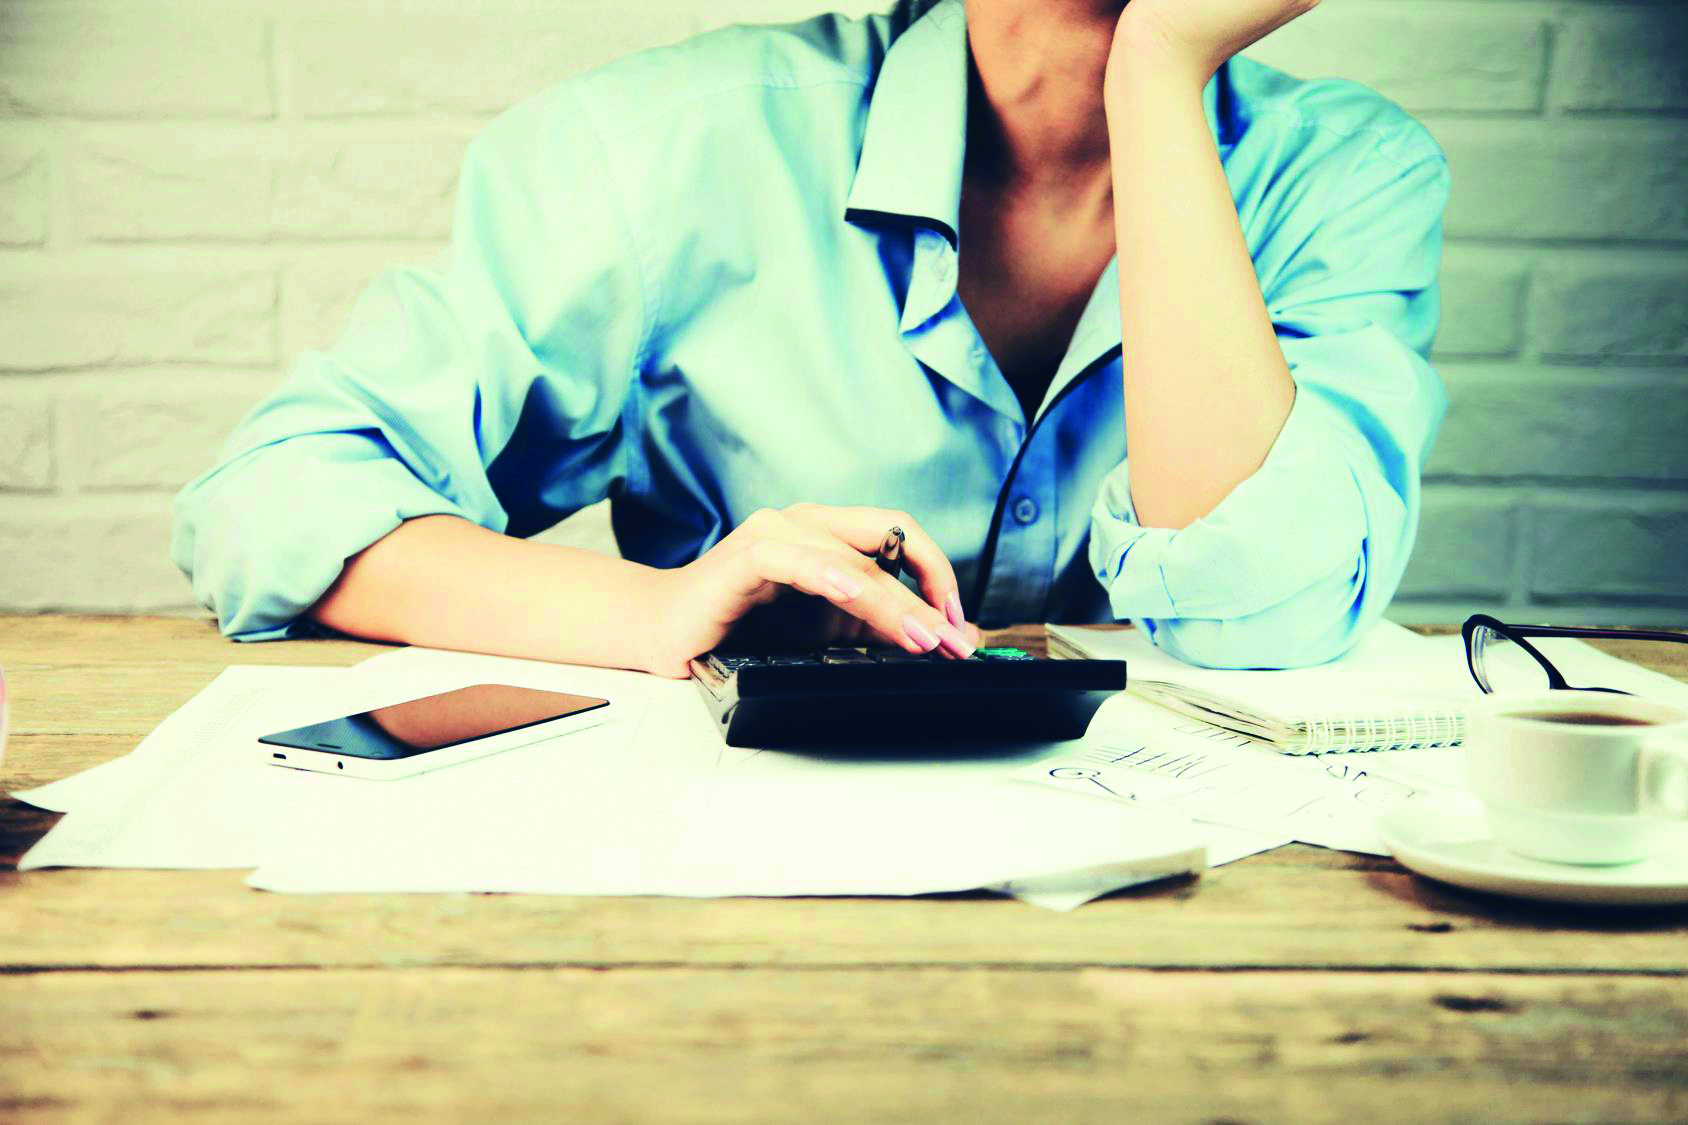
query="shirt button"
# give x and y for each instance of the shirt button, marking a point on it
(1025, 510)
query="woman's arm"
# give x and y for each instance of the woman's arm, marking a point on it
(1297, 513)
(367, 492)
(1206, 386)
(444, 582)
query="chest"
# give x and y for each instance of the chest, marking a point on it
(1025, 275)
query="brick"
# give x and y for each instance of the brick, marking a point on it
(26, 438)
(23, 193)
(1610, 547)
(1615, 57)
(153, 60)
(1625, 310)
(320, 287)
(1550, 422)
(436, 58)
(1482, 305)
(374, 182)
(1430, 57)
(1521, 179)
(123, 309)
(99, 554)
(184, 419)
(1466, 546)
(172, 183)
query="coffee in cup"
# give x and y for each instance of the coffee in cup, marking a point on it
(1578, 777)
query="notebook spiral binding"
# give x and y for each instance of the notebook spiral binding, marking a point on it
(1421, 728)
(1424, 729)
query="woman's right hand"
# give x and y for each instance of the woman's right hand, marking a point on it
(822, 551)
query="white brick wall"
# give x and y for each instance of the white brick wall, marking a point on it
(191, 193)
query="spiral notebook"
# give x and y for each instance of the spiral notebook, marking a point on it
(1395, 690)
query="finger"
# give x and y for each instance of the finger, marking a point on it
(851, 582)
(864, 529)
(887, 606)
(954, 635)
(897, 613)
(809, 569)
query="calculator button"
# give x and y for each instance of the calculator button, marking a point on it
(846, 656)
(892, 656)
(1004, 653)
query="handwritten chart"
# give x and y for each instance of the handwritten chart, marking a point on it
(1187, 767)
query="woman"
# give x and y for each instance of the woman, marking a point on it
(774, 289)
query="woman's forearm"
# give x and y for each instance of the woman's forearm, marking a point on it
(1206, 386)
(444, 582)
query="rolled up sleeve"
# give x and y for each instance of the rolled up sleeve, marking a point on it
(1305, 553)
(519, 343)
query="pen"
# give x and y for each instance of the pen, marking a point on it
(890, 557)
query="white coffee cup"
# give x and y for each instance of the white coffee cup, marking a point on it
(1578, 792)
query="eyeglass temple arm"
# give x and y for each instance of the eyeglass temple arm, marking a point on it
(1591, 631)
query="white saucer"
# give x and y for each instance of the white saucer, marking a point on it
(1447, 839)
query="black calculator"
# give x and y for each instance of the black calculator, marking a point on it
(885, 701)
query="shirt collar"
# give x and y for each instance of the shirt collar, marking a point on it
(910, 167)
(913, 150)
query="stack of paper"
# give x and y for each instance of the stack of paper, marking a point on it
(650, 803)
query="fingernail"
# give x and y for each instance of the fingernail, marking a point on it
(918, 633)
(952, 610)
(847, 587)
(954, 643)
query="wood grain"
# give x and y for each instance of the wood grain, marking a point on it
(1254, 913)
(1300, 985)
(691, 1045)
(1278, 910)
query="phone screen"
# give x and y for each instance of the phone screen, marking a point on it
(434, 722)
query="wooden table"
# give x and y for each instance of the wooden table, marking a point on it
(1298, 985)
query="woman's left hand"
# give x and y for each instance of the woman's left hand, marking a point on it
(1193, 37)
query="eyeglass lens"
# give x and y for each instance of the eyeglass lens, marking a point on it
(1501, 665)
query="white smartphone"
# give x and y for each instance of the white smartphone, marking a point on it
(434, 731)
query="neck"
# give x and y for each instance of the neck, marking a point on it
(1035, 99)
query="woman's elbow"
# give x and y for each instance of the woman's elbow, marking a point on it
(1316, 625)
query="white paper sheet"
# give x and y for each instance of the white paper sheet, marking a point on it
(1146, 756)
(178, 799)
(677, 741)
(615, 833)
(180, 736)
(199, 792)
(1224, 845)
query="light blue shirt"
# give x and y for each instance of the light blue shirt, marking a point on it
(721, 276)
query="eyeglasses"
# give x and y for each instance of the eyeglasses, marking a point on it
(1501, 658)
